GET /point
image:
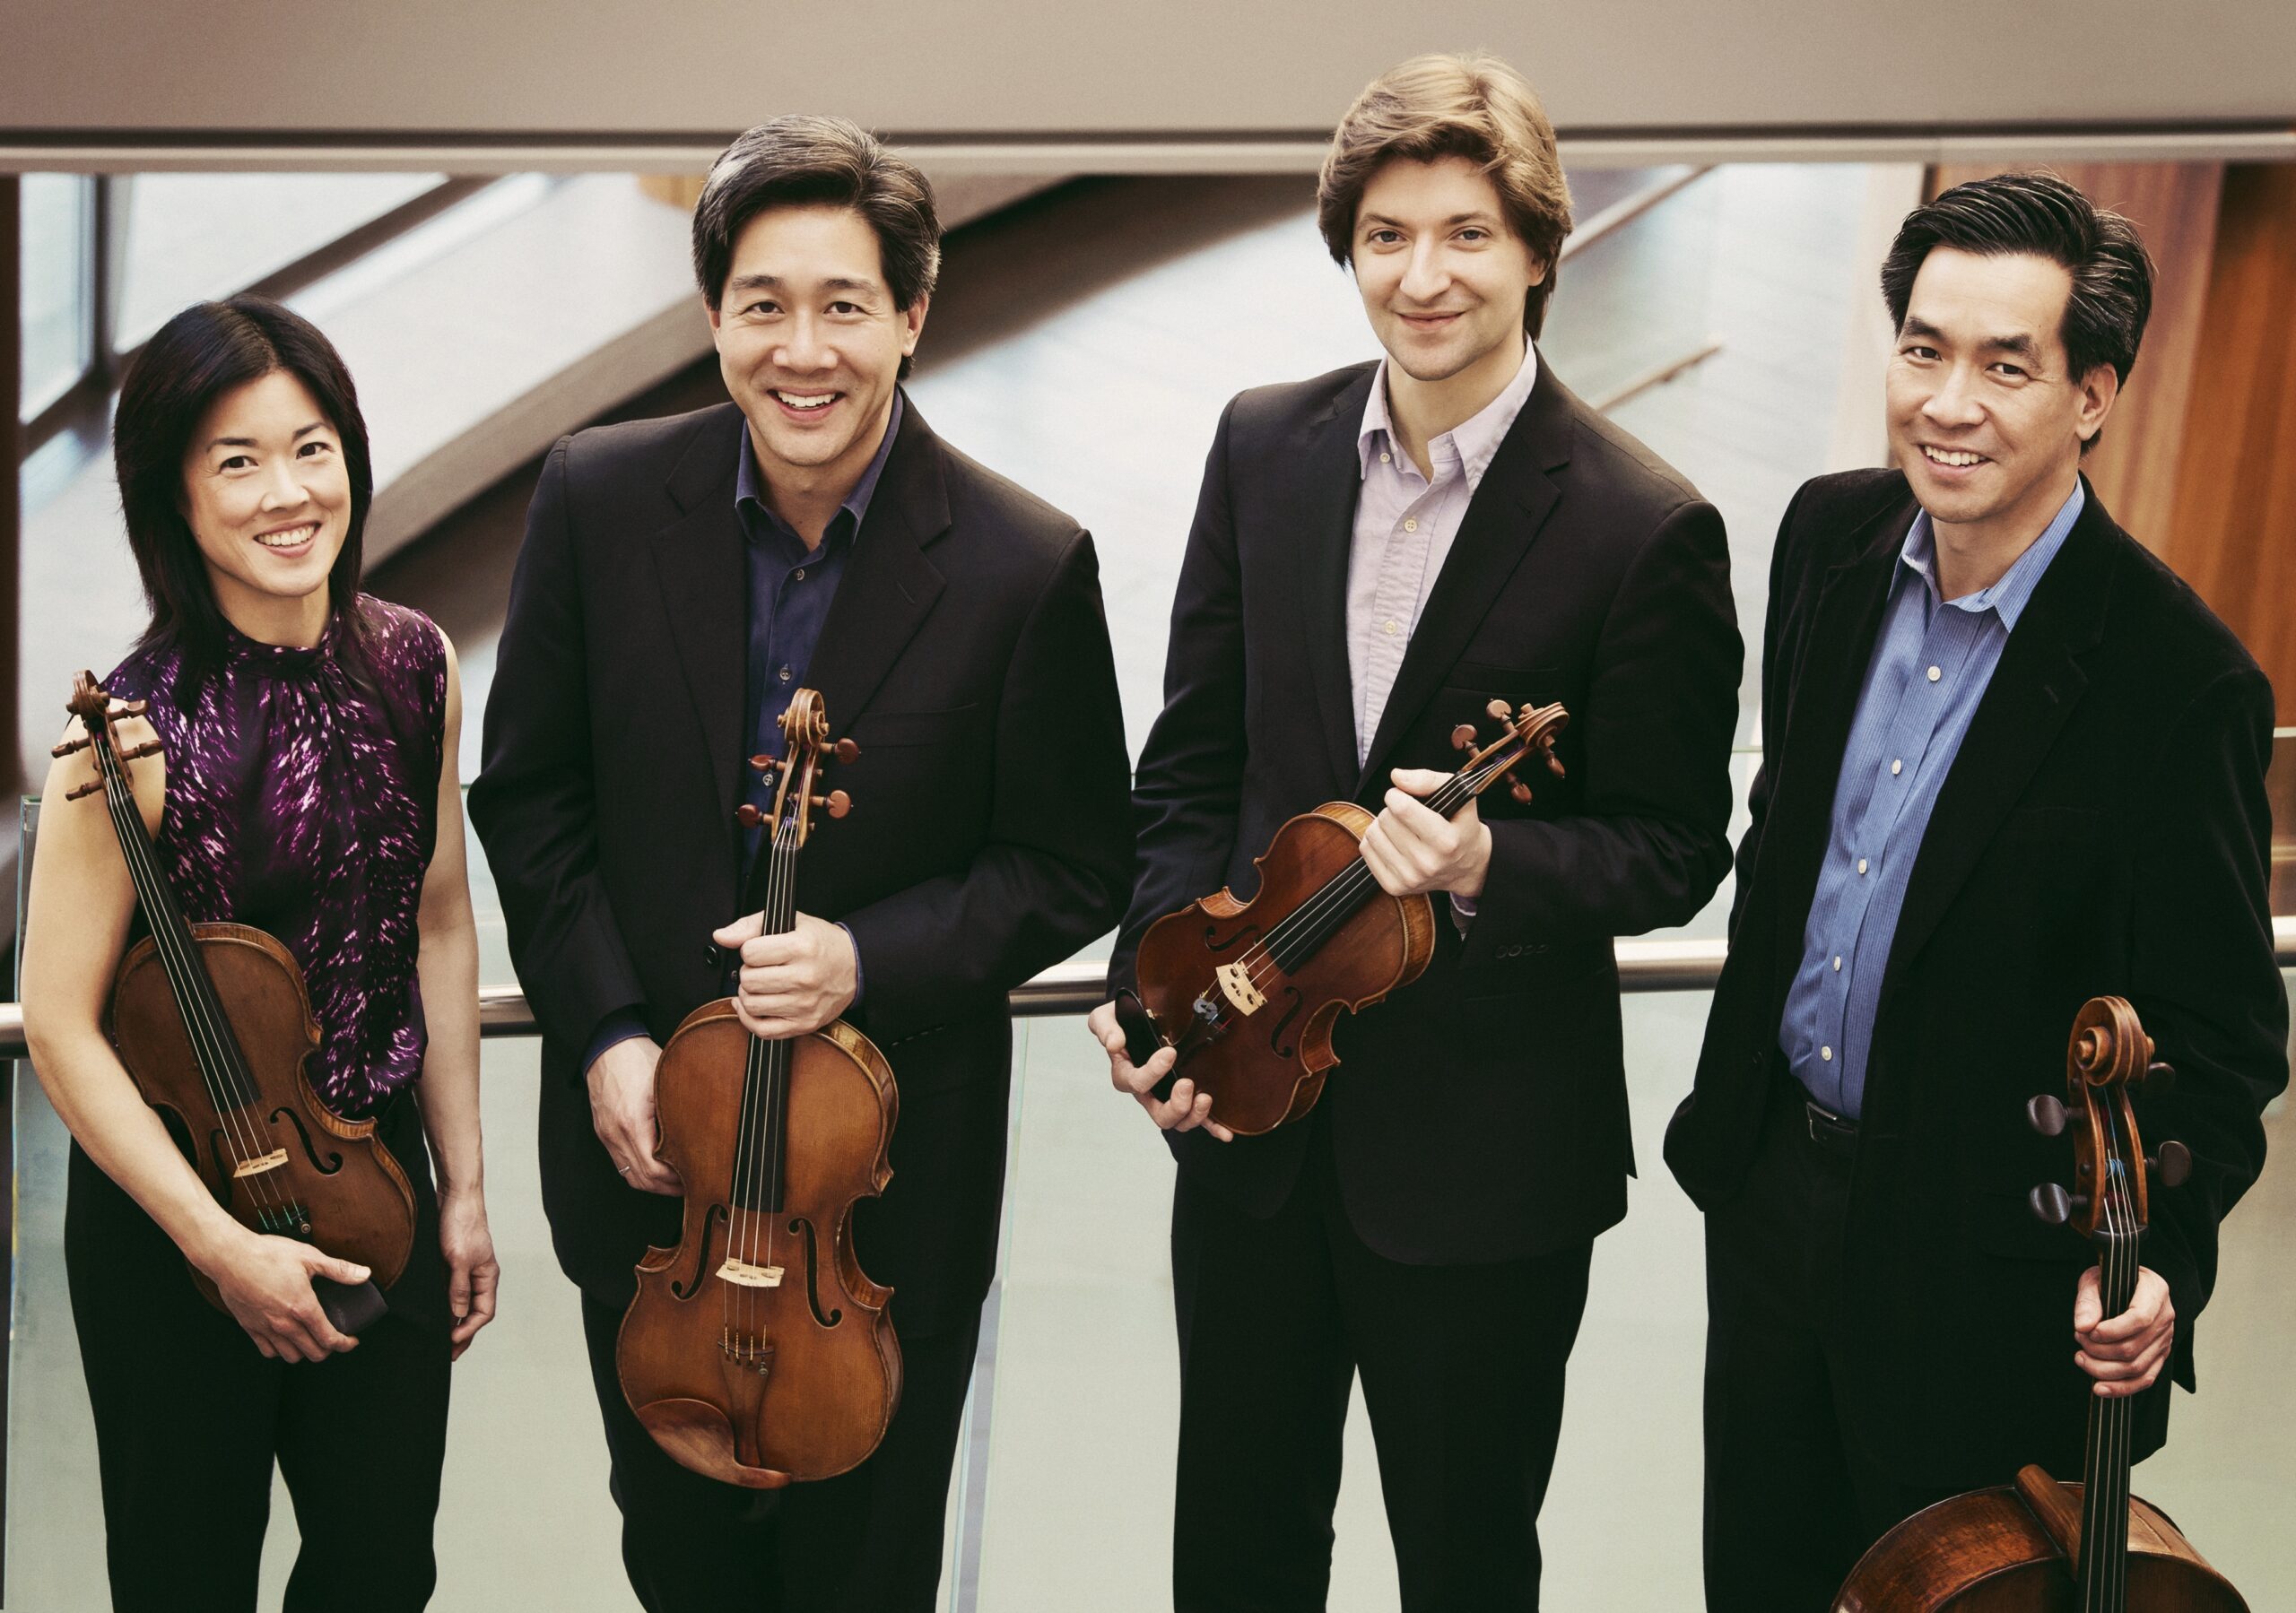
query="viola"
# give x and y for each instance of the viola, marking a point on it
(757, 1351)
(1249, 992)
(2037, 1546)
(213, 1023)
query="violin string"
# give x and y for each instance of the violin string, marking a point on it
(210, 1052)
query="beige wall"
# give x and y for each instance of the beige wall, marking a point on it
(1100, 67)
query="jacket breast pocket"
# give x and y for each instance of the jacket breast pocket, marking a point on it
(890, 729)
(2054, 826)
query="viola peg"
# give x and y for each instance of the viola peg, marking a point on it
(2170, 1164)
(1462, 738)
(2051, 1204)
(1553, 762)
(835, 803)
(151, 748)
(90, 788)
(129, 708)
(69, 746)
(1519, 791)
(845, 750)
(2046, 1114)
(748, 816)
(2159, 1079)
(1498, 708)
(763, 764)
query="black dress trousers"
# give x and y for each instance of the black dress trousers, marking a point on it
(1463, 1375)
(866, 1541)
(190, 1416)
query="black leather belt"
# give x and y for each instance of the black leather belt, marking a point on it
(1834, 1133)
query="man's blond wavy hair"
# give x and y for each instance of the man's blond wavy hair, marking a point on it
(1431, 107)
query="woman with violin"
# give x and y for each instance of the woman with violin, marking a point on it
(278, 756)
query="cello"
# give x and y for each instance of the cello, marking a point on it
(2037, 1546)
(756, 1351)
(212, 1022)
(1249, 992)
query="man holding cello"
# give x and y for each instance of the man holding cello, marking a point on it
(2010, 763)
(681, 582)
(1377, 555)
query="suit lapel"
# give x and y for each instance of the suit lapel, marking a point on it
(1811, 735)
(2033, 689)
(1510, 505)
(1331, 482)
(889, 586)
(697, 563)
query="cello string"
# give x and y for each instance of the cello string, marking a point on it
(209, 1050)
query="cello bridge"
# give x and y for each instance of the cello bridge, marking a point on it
(1236, 985)
(742, 1274)
(255, 1167)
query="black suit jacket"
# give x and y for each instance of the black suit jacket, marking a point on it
(1480, 1114)
(2104, 829)
(965, 651)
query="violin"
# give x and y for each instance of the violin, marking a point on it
(1249, 992)
(2038, 1545)
(757, 1352)
(212, 1022)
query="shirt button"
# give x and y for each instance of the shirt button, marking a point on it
(784, 675)
(1826, 1053)
(1896, 767)
(1388, 627)
(1411, 523)
(1861, 862)
(1837, 963)
(1934, 674)
(1383, 459)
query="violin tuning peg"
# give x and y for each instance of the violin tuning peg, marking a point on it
(763, 764)
(69, 746)
(1498, 708)
(1462, 738)
(129, 708)
(1519, 791)
(2171, 1165)
(846, 751)
(2046, 1116)
(2052, 1205)
(2159, 1079)
(748, 816)
(90, 788)
(835, 803)
(1554, 764)
(152, 749)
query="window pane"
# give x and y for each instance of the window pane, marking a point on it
(57, 261)
(191, 237)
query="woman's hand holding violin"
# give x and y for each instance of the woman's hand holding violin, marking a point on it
(266, 1284)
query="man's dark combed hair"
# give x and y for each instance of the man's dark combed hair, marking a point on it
(807, 162)
(2041, 214)
(209, 350)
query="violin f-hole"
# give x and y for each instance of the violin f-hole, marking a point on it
(692, 1285)
(334, 1160)
(1282, 1049)
(1213, 943)
(799, 1223)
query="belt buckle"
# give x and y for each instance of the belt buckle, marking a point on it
(1824, 1127)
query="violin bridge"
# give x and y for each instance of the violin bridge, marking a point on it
(255, 1167)
(1236, 985)
(742, 1274)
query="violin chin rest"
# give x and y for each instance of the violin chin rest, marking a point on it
(698, 1435)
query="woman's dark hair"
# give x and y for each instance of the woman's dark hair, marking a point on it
(2041, 214)
(204, 352)
(807, 162)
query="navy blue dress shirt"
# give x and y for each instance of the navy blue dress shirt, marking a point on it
(1931, 663)
(790, 590)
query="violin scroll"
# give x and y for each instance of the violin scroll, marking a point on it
(804, 731)
(2108, 1056)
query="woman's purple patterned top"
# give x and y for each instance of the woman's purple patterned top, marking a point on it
(302, 799)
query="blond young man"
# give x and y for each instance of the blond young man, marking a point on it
(1377, 553)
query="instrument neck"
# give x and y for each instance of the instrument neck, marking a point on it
(222, 1066)
(2103, 1572)
(761, 1152)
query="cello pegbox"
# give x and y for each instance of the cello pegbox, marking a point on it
(69, 746)
(90, 788)
(1462, 738)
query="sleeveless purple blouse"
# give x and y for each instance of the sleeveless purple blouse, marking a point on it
(302, 800)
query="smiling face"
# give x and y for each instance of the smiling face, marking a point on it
(810, 341)
(1984, 414)
(268, 497)
(1442, 275)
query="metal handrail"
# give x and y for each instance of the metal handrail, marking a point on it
(1077, 988)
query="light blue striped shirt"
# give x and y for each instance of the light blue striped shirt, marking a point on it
(1931, 663)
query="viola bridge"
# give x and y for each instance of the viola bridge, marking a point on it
(1236, 985)
(255, 1167)
(742, 1274)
